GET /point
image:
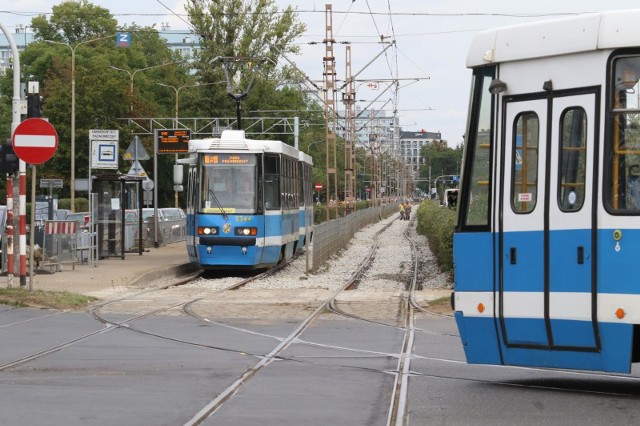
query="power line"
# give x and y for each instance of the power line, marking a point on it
(395, 14)
(176, 14)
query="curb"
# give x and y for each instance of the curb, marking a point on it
(164, 274)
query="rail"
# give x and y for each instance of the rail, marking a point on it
(331, 237)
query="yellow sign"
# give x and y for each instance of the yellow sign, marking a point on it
(226, 159)
(218, 210)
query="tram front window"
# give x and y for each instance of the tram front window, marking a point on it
(229, 188)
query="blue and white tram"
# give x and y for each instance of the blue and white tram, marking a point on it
(242, 202)
(547, 239)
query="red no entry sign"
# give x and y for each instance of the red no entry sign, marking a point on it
(35, 140)
(318, 186)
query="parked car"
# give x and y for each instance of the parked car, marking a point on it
(173, 213)
(148, 212)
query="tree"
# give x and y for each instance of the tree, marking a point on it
(103, 95)
(239, 29)
(441, 159)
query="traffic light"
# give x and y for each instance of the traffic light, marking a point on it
(33, 105)
(10, 161)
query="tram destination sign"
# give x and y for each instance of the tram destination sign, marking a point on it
(173, 141)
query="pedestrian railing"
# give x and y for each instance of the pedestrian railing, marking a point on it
(60, 242)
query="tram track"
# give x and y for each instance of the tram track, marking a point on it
(399, 394)
(95, 312)
(403, 371)
(398, 406)
(286, 342)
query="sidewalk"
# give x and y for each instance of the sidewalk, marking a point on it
(115, 274)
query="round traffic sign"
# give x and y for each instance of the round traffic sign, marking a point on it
(147, 184)
(35, 140)
(318, 186)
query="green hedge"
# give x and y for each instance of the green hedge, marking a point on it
(82, 204)
(437, 223)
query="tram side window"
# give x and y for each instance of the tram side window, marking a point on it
(286, 183)
(623, 172)
(301, 182)
(573, 143)
(474, 206)
(524, 164)
(271, 182)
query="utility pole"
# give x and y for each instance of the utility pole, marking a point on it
(349, 99)
(330, 114)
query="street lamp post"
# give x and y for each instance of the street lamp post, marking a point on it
(177, 91)
(132, 75)
(73, 111)
(177, 94)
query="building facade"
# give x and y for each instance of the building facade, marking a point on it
(181, 41)
(411, 144)
(371, 126)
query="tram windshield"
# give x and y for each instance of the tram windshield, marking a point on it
(475, 198)
(624, 141)
(229, 183)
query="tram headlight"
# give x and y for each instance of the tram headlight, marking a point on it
(246, 231)
(207, 230)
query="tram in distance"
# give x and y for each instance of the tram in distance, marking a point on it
(547, 237)
(249, 202)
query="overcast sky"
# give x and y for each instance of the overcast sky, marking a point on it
(432, 38)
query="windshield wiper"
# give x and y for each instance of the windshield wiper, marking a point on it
(215, 199)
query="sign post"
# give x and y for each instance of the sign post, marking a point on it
(318, 187)
(172, 141)
(34, 141)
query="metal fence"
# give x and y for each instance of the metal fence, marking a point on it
(331, 237)
(60, 242)
(169, 231)
(72, 247)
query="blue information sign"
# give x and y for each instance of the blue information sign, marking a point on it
(123, 39)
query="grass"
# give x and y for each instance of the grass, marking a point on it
(44, 299)
(440, 305)
(445, 300)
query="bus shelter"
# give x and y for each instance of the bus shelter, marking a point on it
(118, 215)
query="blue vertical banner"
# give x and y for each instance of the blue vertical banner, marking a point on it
(123, 39)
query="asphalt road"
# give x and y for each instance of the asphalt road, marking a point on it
(162, 369)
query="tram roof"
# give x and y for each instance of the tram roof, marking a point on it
(581, 33)
(304, 157)
(235, 141)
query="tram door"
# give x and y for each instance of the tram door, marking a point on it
(546, 222)
(571, 216)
